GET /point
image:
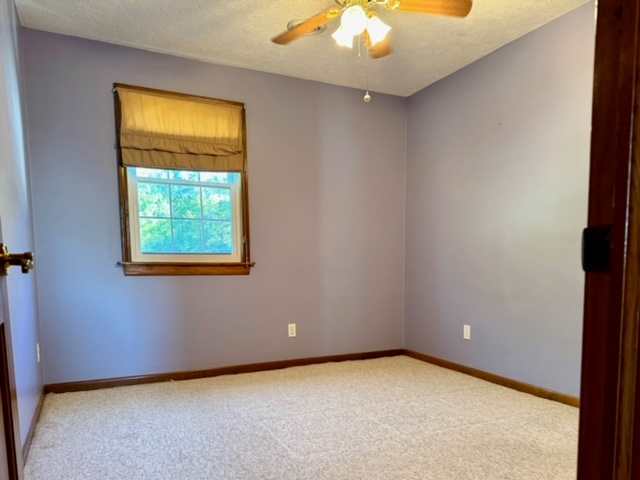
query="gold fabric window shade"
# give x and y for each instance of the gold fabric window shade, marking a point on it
(168, 130)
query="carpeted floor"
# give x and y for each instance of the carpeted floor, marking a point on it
(385, 419)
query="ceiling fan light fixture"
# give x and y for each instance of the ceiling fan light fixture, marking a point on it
(377, 30)
(354, 20)
(343, 38)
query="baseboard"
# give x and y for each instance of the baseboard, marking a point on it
(32, 428)
(497, 379)
(276, 365)
(214, 372)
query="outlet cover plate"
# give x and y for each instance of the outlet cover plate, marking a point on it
(466, 332)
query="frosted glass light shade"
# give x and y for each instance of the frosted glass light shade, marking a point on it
(377, 30)
(343, 38)
(354, 20)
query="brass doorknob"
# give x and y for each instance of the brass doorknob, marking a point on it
(22, 260)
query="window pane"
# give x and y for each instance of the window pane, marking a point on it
(150, 172)
(155, 235)
(187, 236)
(220, 177)
(185, 212)
(216, 203)
(185, 175)
(213, 177)
(185, 201)
(153, 200)
(218, 238)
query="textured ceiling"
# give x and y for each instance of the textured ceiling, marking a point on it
(237, 32)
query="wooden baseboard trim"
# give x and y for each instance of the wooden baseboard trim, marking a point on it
(214, 372)
(497, 379)
(276, 365)
(32, 429)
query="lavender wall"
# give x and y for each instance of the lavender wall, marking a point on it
(497, 174)
(327, 218)
(15, 216)
(491, 162)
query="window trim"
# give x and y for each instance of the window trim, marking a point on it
(134, 225)
(146, 268)
(138, 268)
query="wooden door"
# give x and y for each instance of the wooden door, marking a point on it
(10, 447)
(4, 464)
(610, 405)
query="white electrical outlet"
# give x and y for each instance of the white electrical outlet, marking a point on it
(292, 329)
(466, 332)
(38, 352)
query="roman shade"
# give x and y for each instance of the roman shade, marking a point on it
(159, 129)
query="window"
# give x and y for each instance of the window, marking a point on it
(183, 183)
(184, 216)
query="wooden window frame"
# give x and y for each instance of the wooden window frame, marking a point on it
(172, 268)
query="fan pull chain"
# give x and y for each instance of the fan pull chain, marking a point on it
(367, 95)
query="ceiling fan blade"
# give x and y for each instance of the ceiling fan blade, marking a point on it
(307, 27)
(450, 8)
(380, 49)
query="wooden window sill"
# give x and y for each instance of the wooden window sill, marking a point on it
(174, 269)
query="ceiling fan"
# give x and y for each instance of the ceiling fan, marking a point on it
(359, 17)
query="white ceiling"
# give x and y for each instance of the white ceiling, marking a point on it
(237, 32)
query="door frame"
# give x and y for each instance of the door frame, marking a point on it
(9, 404)
(8, 391)
(610, 405)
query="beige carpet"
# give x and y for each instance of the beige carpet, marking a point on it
(386, 419)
